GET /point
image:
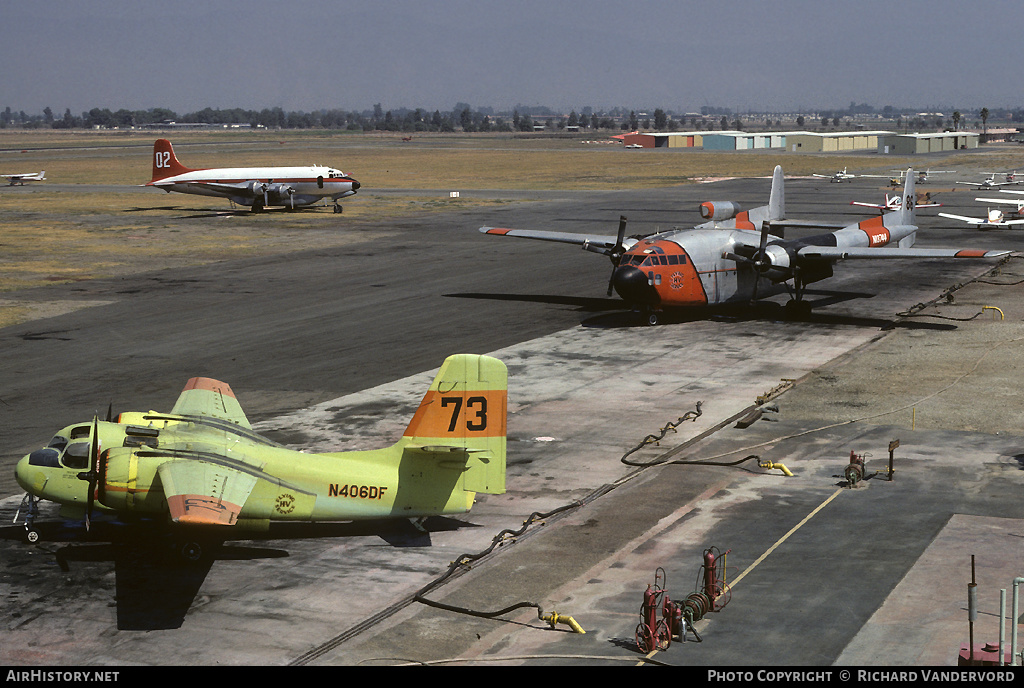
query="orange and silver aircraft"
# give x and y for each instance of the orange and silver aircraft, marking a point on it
(27, 177)
(202, 466)
(256, 187)
(735, 258)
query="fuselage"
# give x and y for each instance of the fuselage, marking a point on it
(290, 485)
(686, 268)
(271, 185)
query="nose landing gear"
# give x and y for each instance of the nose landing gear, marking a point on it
(30, 505)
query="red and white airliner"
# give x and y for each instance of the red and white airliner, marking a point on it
(256, 187)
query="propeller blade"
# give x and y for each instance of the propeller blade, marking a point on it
(759, 260)
(94, 461)
(616, 254)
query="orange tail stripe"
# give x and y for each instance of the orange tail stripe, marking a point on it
(460, 414)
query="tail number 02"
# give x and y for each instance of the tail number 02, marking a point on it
(475, 424)
(162, 159)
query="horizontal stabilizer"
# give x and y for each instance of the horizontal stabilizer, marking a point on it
(883, 253)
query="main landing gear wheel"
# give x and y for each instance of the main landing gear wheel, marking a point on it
(653, 319)
(337, 208)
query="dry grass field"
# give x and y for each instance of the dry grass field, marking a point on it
(90, 218)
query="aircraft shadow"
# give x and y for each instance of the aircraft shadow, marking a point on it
(613, 313)
(582, 303)
(155, 585)
(199, 213)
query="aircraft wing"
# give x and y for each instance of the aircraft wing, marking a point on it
(972, 220)
(807, 224)
(202, 493)
(204, 396)
(871, 205)
(591, 242)
(840, 253)
(1005, 201)
(250, 189)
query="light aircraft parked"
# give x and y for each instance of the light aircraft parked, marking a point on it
(257, 187)
(991, 183)
(922, 176)
(995, 219)
(734, 258)
(202, 465)
(1017, 203)
(842, 176)
(27, 177)
(894, 202)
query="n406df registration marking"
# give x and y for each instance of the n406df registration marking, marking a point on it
(356, 491)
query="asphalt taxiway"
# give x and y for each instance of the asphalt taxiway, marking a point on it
(332, 349)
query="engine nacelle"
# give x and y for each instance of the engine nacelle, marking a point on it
(775, 264)
(719, 210)
(126, 482)
(257, 188)
(280, 193)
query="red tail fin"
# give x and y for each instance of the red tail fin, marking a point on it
(164, 163)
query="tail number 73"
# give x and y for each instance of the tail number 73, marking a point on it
(477, 404)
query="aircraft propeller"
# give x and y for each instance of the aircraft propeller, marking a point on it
(618, 251)
(759, 259)
(92, 475)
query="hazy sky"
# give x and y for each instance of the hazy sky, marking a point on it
(311, 54)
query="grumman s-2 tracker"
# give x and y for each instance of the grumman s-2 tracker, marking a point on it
(739, 256)
(256, 187)
(202, 468)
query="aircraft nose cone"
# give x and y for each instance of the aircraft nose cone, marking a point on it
(632, 285)
(21, 474)
(355, 185)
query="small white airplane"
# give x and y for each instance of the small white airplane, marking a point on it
(995, 219)
(991, 183)
(256, 187)
(20, 179)
(894, 202)
(842, 176)
(922, 176)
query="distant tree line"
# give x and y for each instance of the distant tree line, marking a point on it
(463, 117)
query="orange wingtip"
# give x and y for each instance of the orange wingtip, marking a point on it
(209, 384)
(201, 510)
(497, 230)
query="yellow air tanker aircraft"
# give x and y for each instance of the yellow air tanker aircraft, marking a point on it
(202, 466)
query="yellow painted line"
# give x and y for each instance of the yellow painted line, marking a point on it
(785, 537)
(771, 549)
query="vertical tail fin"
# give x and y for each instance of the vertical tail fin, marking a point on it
(777, 199)
(165, 164)
(908, 216)
(465, 413)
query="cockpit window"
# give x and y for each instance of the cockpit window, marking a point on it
(58, 442)
(76, 455)
(80, 432)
